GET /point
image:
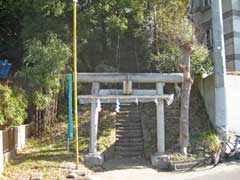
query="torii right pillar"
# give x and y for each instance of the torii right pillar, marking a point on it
(159, 159)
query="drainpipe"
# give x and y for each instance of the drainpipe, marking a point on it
(220, 65)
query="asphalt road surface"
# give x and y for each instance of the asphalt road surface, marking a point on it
(228, 171)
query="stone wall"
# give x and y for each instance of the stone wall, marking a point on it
(198, 121)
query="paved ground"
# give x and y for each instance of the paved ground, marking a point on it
(229, 171)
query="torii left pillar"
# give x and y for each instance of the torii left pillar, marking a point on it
(94, 158)
(160, 121)
(159, 159)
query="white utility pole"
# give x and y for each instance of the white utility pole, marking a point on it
(220, 64)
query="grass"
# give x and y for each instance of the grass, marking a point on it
(181, 157)
(202, 145)
(48, 155)
(106, 130)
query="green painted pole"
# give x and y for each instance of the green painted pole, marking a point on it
(70, 108)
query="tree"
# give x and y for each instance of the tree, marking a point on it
(183, 34)
(108, 35)
(45, 65)
(24, 20)
(113, 35)
(11, 13)
(176, 31)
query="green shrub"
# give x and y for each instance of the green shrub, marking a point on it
(13, 106)
(45, 63)
(208, 142)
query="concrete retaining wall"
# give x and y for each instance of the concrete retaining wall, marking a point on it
(207, 90)
(22, 133)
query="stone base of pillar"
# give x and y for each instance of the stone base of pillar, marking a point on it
(160, 161)
(94, 160)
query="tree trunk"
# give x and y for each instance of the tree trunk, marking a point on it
(35, 122)
(155, 32)
(185, 96)
(56, 107)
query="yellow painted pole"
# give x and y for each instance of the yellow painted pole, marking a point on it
(75, 77)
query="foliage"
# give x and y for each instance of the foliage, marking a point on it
(11, 14)
(208, 142)
(106, 130)
(184, 33)
(168, 60)
(106, 136)
(171, 32)
(181, 157)
(105, 29)
(44, 17)
(13, 106)
(201, 61)
(47, 154)
(136, 35)
(24, 20)
(45, 63)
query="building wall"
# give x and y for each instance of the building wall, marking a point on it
(233, 102)
(231, 20)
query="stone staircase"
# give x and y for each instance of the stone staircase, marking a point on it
(129, 135)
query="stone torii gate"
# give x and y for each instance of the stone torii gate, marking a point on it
(126, 95)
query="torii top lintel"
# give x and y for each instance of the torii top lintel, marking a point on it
(134, 77)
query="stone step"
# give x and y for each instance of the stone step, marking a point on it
(129, 116)
(132, 120)
(126, 117)
(128, 124)
(128, 136)
(128, 128)
(130, 140)
(122, 120)
(126, 108)
(136, 121)
(129, 111)
(129, 144)
(129, 154)
(133, 106)
(123, 132)
(129, 149)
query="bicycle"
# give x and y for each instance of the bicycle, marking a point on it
(229, 148)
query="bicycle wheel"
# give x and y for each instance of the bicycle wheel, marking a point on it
(237, 155)
(222, 156)
(219, 156)
(237, 147)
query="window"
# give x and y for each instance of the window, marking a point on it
(209, 38)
